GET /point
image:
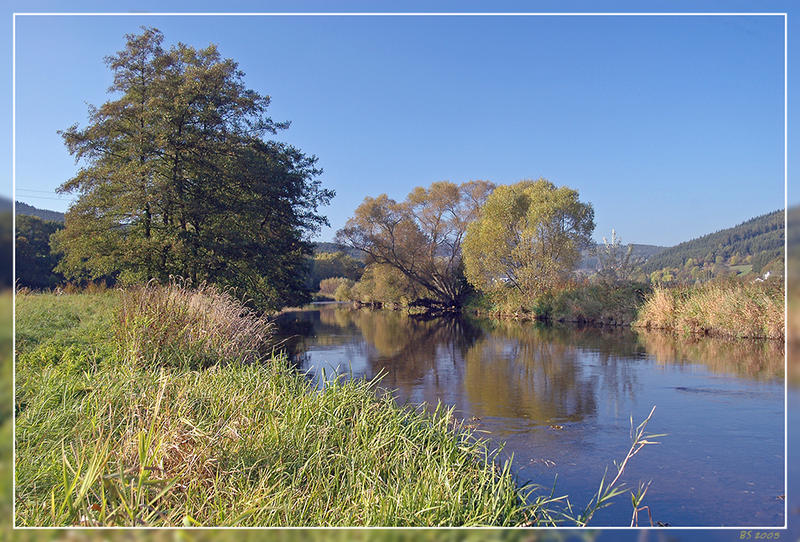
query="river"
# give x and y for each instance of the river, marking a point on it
(561, 398)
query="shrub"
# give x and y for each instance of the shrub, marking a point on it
(576, 302)
(329, 286)
(344, 292)
(384, 284)
(599, 303)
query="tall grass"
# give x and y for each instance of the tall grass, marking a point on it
(199, 326)
(245, 445)
(746, 310)
(608, 490)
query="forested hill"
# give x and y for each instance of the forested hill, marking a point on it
(745, 248)
(44, 214)
(322, 247)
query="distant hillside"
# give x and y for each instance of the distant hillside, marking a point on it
(44, 214)
(742, 249)
(336, 247)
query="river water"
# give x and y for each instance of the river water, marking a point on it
(561, 398)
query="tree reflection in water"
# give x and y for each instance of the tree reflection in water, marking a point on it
(528, 375)
(535, 373)
(751, 358)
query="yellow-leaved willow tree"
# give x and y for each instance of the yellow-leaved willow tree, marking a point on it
(527, 240)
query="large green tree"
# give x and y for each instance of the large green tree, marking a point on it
(420, 237)
(179, 180)
(527, 239)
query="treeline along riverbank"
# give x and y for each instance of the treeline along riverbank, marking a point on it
(727, 308)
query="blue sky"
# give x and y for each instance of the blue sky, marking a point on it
(671, 127)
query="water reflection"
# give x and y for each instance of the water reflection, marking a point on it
(521, 370)
(527, 377)
(755, 359)
(503, 371)
(566, 394)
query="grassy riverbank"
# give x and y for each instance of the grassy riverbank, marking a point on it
(117, 426)
(725, 309)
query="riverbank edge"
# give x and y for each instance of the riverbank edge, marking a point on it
(718, 309)
(725, 310)
(676, 329)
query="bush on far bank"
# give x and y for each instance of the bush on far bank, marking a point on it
(615, 304)
(592, 303)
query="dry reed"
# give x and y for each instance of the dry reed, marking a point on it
(202, 326)
(726, 309)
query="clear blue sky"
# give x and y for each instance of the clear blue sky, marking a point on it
(672, 127)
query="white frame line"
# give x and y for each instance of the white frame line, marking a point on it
(415, 14)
